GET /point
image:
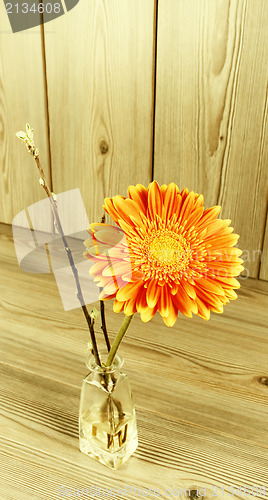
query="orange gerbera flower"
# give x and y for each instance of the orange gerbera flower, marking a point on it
(168, 254)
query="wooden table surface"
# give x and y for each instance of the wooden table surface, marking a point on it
(200, 390)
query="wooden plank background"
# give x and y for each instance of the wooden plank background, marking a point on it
(211, 109)
(22, 100)
(264, 262)
(100, 66)
(91, 92)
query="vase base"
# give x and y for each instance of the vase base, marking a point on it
(113, 460)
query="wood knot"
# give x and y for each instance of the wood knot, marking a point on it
(263, 380)
(104, 148)
(221, 138)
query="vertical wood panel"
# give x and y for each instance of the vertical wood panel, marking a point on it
(264, 261)
(22, 99)
(100, 80)
(211, 107)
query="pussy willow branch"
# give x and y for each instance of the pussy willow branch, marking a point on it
(102, 310)
(69, 255)
(103, 325)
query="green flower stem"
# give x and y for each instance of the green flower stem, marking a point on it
(118, 339)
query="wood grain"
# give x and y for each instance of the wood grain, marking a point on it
(98, 63)
(211, 109)
(264, 266)
(200, 390)
(22, 100)
(100, 79)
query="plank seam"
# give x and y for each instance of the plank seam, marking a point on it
(262, 241)
(261, 262)
(43, 48)
(154, 75)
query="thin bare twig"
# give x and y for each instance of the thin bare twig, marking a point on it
(28, 140)
(103, 325)
(102, 310)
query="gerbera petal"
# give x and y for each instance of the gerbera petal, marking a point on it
(110, 208)
(130, 306)
(223, 241)
(99, 250)
(172, 199)
(225, 270)
(109, 235)
(184, 193)
(174, 288)
(118, 306)
(129, 290)
(99, 226)
(203, 309)
(116, 269)
(210, 285)
(216, 226)
(110, 288)
(170, 320)
(209, 215)
(230, 294)
(199, 201)
(179, 304)
(163, 190)
(105, 296)
(194, 217)
(218, 309)
(184, 303)
(228, 282)
(126, 226)
(125, 208)
(154, 200)
(187, 206)
(188, 288)
(147, 314)
(127, 276)
(98, 267)
(210, 298)
(232, 251)
(164, 300)
(139, 194)
(152, 293)
(141, 303)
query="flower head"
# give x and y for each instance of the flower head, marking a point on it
(168, 254)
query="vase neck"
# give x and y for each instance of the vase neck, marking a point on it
(102, 370)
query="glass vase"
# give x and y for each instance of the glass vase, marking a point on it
(107, 420)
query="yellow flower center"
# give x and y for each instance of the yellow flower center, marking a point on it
(166, 249)
(165, 255)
